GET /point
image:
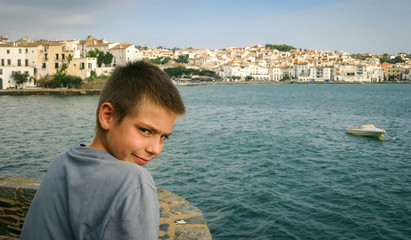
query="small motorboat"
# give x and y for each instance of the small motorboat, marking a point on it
(366, 131)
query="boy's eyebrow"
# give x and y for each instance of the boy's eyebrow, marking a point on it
(155, 130)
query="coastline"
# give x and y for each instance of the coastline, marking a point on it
(49, 91)
(96, 91)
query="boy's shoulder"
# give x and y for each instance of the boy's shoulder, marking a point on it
(100, 167)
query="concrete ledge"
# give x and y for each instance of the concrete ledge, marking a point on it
(67, 92)
(178, 219)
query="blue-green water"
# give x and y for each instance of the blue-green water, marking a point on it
(260, 161)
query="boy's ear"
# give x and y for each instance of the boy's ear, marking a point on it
(106, 115)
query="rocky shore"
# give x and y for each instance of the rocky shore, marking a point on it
(178, 219)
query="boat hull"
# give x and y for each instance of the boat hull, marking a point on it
(366, 131)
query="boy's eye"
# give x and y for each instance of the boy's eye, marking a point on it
(164, 137)
(145, 131)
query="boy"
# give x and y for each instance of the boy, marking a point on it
(101, 191)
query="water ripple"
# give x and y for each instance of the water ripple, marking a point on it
(261, 161)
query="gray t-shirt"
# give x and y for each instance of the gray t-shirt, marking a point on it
(89, 194)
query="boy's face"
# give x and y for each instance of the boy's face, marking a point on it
(139, 139)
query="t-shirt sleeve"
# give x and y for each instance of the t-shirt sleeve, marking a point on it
(137, 217)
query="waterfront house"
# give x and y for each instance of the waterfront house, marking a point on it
(392, 72)
(17, 58)
(301, 71)
(320, 74)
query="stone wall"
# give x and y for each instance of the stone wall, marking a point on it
(178, 219)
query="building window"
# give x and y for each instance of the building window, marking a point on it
(2, 61)
(44, 65)
(57, 56)
(62, 56)
(8, 61)
(26, 62)
(46, 56)
(19, 62)
(90, 65)
(20, 51)
(81, 65)
(27, 50)
(56, 65)
(8, 51)
(1, 71)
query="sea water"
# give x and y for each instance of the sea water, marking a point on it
(260, 161)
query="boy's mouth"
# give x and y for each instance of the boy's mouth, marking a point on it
(140, 161)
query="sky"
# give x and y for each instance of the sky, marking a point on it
(353, 26)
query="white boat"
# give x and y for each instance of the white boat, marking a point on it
(366, 130)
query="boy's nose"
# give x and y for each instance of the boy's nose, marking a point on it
(154, 147)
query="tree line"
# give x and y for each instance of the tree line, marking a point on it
(280, 47)
(384, 59)
(181, 72)
(164, 60)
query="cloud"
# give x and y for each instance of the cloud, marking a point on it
(73, 20)
(350, 25)
(25, 16)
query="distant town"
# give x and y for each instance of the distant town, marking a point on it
(29, 63)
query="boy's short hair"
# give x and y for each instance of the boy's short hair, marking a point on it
(133, 84)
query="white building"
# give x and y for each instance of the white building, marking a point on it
(406, 74)
(301, 72)
(232, 71)
(358, 73)
(320, 74)
(348, 73)
(7, 81)
(374, 73)
(275, 74)
(123, 53)
(17, 58)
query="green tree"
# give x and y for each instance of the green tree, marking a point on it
(399, 59)
(280, 47)
(235, 78)
(249, 78)
(58, 79)
(165, 60)
(61, 79)
(105, 58)
(93, 53)
(181, 71)
(69, 58)
(208, 73)
(155, 60)
(100, 58)
(182, 59)
(72, 81)
(358, 56)
(21, 78)
(384, 58)
(108, 58)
